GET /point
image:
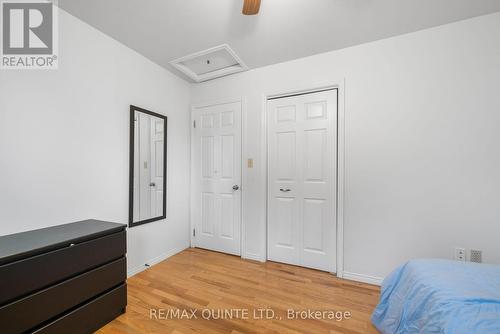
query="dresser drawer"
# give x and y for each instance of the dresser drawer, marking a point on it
(27, 313)
(91, 316)
(20, 278)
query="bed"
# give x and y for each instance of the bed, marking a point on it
(440, 296)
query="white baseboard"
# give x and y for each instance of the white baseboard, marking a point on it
(153, 261)
(255, 257)
(362, 278)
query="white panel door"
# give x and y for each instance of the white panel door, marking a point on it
(302, 146)
(144, 162)
(216, 197)
(156, 184)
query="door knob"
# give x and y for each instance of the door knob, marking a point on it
(152, 184)
(236, 187)
(285, 190)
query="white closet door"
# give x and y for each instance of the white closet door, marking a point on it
(302, 145)
(216, 201)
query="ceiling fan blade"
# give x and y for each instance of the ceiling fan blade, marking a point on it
(251, 7)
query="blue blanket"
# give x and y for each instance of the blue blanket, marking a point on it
(440, 296)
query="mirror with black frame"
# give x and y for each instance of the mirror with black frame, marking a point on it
(148, 166)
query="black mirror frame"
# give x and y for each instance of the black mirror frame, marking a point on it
(131, 222)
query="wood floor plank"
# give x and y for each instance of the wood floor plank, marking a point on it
(200, 281)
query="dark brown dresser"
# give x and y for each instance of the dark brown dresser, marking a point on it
(64, 279)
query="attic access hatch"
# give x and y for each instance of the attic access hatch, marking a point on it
(210, 64)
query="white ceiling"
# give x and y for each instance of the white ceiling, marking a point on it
(164, 30)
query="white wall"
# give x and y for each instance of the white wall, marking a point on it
(64, 140)
(422, 142)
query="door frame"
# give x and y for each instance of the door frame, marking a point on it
(340, 154)
(193, 108)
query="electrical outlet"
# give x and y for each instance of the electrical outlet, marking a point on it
(460, 254)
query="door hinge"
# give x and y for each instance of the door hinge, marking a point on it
(194, 232)
(194, 124)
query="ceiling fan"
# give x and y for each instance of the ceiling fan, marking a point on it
(251, 7)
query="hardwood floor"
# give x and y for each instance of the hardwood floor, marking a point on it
(205, 282)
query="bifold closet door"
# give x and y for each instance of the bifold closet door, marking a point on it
(302, 146)
(216, 194)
